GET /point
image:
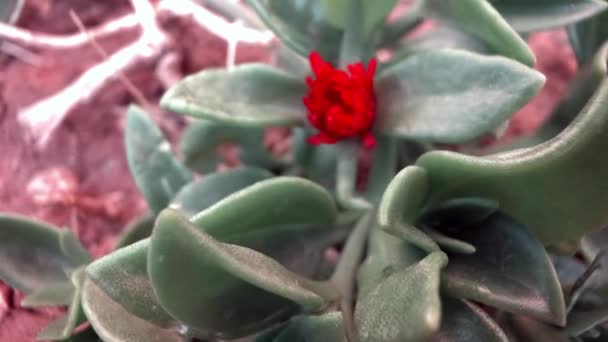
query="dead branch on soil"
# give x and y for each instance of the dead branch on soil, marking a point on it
(43, 117)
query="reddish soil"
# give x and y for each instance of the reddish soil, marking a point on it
(85, 165)
(81, 180)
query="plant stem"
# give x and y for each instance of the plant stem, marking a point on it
(345, 274)
(346, 178)
(383, 167)
(353, 42)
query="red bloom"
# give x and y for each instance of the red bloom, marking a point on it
(341, 104)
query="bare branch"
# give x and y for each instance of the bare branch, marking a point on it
(43, 40)
(215, 24)
(43, 117)
(146, 15)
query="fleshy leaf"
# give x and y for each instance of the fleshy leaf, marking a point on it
(137, 230)
(375, 12)
(63, 327)
(327, 327)
(543, 186)
(202, 138)
(72, 248)
(478, 18)
(274, 202)
(203, 193)
(463, 321)
(593, 243)
(51, 295)
(113, 323)
(123, 277)
(250, 95)
(301, 26)
(451, 96)
(386, 253)
(539, 15)
(439, 38)
(157, 173)
(404, 306)
(231, 290)
(588, 36)
(510, 270)
(31, 255)
(588, 297)
(523, 328)
(404, 197)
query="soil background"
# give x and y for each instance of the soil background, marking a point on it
(81, 180)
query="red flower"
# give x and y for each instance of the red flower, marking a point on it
(341, 104)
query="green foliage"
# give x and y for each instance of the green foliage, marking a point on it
(433, 245)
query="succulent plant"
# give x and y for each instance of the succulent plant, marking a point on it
(433, 245)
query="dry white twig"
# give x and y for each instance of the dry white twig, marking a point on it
(215, 24)
(43, 117)
(51, 41)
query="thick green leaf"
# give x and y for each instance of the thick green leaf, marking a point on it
(72, 248)
(157, 173)
(123, 277)
(478, 18)
(375, 12)
(451, 96)
(300, 25)
(401, 203)
(201, 194)
(250, 95)
(52, 295)
(63, 327)
(224, 290)
(458, 213)
(439, 38)
(10, 10)
(31, 254)
(115, 324)
(137, 230)
(273, 202)
(386, 254)
(405, 305)
(521, 328)
(588, 36)
(593, 243)
(327, 327)
(510, 270)
(463, 321)
(543, 186)
(588, 297)
(202, 138)
(538, 15)
(404, 197)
